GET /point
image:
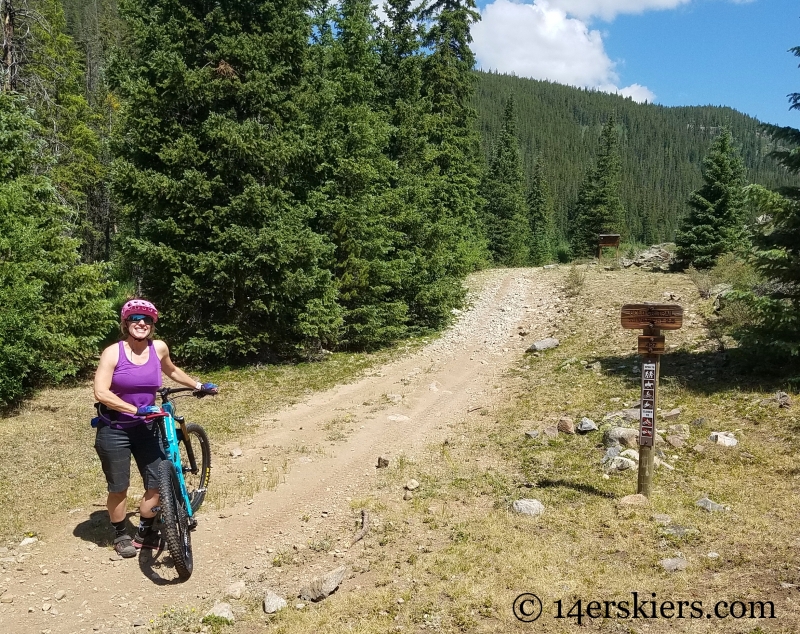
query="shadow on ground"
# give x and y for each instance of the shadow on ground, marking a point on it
(709, 372)
(97, 529)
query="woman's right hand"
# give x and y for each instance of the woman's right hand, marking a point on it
(147, 410)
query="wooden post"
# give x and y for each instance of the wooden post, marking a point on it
(651, 364)
(651, 318)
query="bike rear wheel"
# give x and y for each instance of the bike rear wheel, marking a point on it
(195, 452)
(175, 519)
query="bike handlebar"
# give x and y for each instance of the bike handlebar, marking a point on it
(166, 392)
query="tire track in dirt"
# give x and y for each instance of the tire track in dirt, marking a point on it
(398, 409)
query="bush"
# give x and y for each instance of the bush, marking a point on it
(564, 253)
(730, 269)
(702, 280)
(575, 280)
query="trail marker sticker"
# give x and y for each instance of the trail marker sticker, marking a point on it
(647, 426)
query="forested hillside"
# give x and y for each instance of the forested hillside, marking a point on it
(661, 148)
(283, 176)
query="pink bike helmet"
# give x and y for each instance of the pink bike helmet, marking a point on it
(138, 307)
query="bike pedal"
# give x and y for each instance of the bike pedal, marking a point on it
(192, 524)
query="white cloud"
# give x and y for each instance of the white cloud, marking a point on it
(543, 42)
(637, 93)
(608, 9)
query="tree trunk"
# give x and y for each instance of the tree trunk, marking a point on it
(9, 58)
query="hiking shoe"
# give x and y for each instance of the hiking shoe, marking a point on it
(124, 546)
(151, 541)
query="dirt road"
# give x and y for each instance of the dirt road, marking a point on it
(337, 437)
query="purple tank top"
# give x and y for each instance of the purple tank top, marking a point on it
(135, 384)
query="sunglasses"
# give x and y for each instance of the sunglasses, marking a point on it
(146, 318)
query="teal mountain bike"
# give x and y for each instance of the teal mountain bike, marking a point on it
(182, 479)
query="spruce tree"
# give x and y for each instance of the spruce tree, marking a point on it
(715, 222)
(427, 241)
(352, 174)
(540, 216)
(505, 214)
(599, 207)
(53, 311)
(776, 254)
(454, 162)
(210, 143)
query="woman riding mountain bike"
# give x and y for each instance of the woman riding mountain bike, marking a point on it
(127, 377)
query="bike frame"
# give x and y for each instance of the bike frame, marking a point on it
(170, 441)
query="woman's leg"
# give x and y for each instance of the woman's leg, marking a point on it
(116, 503)
(149, 501)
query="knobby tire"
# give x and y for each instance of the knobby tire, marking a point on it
(175, 520)
(196, 479)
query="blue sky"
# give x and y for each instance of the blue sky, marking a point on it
(671, 52)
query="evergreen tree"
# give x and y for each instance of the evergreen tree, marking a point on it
(53, 313)
(715, 222)
(776, 303)
(599, 207)
(428, 242)
(540, 216)
(505, 214)
(454, 161)
(209, 144)
(352, 176)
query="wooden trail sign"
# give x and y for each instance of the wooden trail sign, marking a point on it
(649, 344)
(652, 319)
(607, 240)
(662, 316)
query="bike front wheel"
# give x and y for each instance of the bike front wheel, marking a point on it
(175, 519)
(195, 452)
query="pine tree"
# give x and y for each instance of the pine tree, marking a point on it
(210, 143)
(777, 250)
(715, 222)
(432, 286)
(540, 216)
(505, 213)
(53, 311)
(352, 177)
(599, 207)
(454, 162)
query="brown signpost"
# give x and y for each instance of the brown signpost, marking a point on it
(610, 240)
(651, 318)
(663, 316)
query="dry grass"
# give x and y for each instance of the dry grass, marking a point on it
(457, 556)
(49, 469)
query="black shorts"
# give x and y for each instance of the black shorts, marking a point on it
(115, 447)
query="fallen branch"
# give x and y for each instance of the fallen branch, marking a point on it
(364, 527)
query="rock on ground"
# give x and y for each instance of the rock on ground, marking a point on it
(620, 464)
(235, 590)
(674, 564)
(724, 438)
(543, 344)
(273, 602)
(222, 611)
(323, 586)
(637, 499)
(710, 505)
(621, 435)
(565, 425)
(528, 506)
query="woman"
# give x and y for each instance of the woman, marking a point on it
(127, 377)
